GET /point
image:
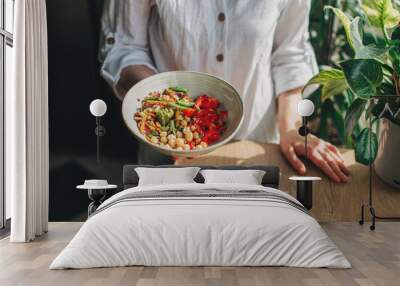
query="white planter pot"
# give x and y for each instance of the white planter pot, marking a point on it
(387, 163)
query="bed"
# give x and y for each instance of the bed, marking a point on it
(198, 224)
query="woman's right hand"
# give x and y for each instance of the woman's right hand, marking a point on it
(130, 76)
(323, 154)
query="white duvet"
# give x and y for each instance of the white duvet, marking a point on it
(200, 231)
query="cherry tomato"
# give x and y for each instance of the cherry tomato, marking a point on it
(189, 112)
(206, 102)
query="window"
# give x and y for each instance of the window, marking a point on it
(6, 63)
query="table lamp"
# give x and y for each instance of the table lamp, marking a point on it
(305, 109)
(98, 108)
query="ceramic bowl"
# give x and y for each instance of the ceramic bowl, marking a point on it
(198, 84)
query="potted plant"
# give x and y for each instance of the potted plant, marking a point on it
(371, 81)
(328, 39)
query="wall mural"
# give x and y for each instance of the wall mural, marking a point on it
(179, 117)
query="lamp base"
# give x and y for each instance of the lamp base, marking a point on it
(304, 191)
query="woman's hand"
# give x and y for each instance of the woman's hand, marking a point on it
(323, 154)
(130, 76)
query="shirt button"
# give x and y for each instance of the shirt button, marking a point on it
(221, 17)
(220, 57)
(110, 40)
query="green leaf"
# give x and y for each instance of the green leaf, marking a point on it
(315, 97)
(363, 76)
(371, 37)
(366, 147)
(332, 82)
(387, 108)
(381, 13)
(351, 27)
(353, 115)
(371, 52)
(355, 34)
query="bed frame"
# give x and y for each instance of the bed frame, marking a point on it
(270, 179)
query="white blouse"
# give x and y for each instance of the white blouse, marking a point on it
(259, 46)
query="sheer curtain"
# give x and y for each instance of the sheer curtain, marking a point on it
(27, 124)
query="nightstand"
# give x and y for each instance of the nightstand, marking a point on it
(97, 190)
(304, 192)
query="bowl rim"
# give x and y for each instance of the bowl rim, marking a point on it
(185, 152)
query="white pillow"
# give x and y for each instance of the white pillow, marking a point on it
(164, 176)
(248, 177)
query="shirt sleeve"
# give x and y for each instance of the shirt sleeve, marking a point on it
(107, 32)
(131, 45)
(293, 61)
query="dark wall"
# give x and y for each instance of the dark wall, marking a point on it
(74, 81)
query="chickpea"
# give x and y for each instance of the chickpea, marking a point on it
(189, 136)
(180, 142)
(179, 134)
(196, 135)
(164, 140)
(187, 147)
(203, 144)
(193, 128)
(186, 130)
(163, 134)
(154, 140)
(187, 118)
(171, 136)
(179, 148)
(172, 143)
(184, 123)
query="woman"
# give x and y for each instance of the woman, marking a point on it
(260, 47)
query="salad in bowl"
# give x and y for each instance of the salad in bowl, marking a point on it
(173, 119)
(183, 113)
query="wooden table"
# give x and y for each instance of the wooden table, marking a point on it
(332, 202)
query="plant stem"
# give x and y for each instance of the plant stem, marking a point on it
(385, 34)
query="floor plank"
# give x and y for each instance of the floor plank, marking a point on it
(375, 257)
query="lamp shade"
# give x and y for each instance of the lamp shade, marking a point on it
(305, 108)
(98, 107)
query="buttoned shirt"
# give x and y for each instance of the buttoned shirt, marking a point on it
(260, 47)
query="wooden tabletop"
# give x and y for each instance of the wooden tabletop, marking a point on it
(332, 202)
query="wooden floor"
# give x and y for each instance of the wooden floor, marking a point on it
(332, 202)
(375, 257)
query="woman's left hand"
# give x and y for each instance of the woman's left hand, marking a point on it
(323, 154)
